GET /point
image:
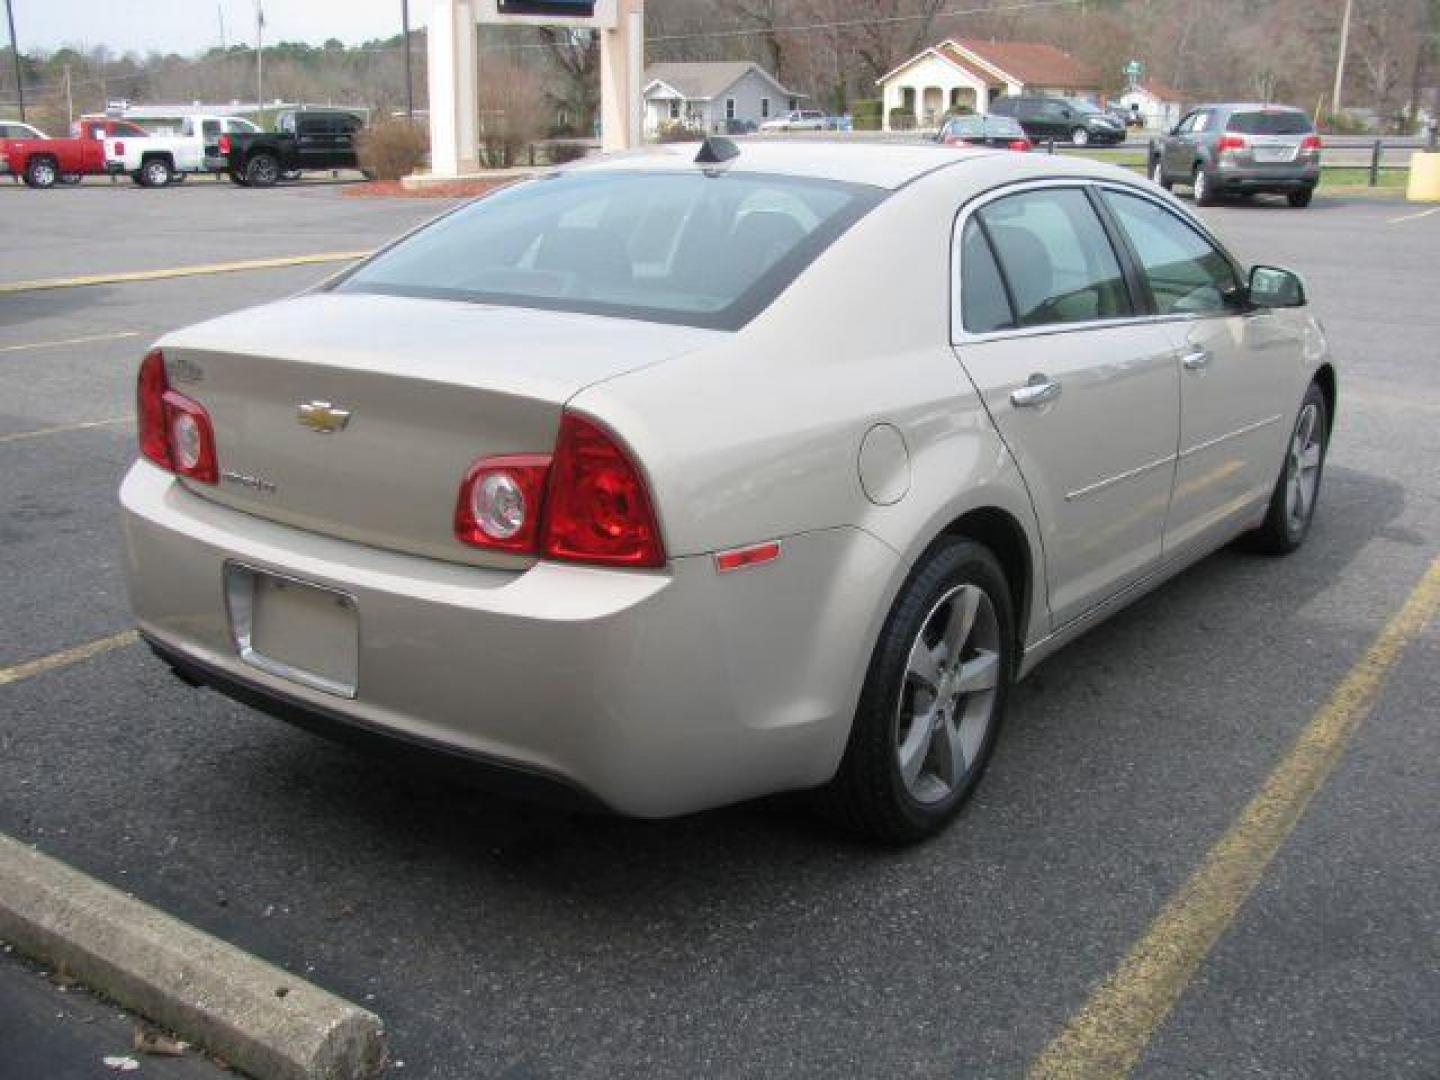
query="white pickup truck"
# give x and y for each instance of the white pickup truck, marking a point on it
(164, 159)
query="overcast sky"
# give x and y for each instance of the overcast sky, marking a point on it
(187, 26)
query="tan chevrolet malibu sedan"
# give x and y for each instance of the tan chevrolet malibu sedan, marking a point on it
(685, 478)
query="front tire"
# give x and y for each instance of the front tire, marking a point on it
(1292, 503)
(933, 699)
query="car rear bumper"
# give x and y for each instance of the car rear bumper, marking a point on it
(652, 693)
(1260, 178)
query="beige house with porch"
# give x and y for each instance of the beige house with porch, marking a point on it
(959, 75)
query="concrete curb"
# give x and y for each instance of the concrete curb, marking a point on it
(258, 1018)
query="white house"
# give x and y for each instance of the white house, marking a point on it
(1159, 106)
(705, 96)
(969, 74)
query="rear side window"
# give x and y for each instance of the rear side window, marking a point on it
(683, 247)
(984, 305)
(1003, 107)
(1187, 274)
(1273, 122)
(1056, 258)
(316, 125)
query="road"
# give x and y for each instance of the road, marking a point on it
(504, 940)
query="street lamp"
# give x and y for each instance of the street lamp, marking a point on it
(15, 55)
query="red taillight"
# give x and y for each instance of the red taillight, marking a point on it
(119, 148)
(597, 506)
(1232, 142)
(225, 144)
(1019, 144)
(501, 501)
(588, 503)
(175, 432)
(1310, 142)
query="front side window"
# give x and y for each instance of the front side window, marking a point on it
(1187, 275)
(211, 129)
(1056, 258)
(686, 248)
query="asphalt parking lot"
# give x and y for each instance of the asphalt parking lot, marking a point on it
(500, 939)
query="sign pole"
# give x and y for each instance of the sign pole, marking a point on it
(15, 55)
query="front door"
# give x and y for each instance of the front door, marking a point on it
(1180, 148)
(1085, 395)
(1232, 367)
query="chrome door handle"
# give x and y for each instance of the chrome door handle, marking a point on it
(1196, 360)
(1038, 391)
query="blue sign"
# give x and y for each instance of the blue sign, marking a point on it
(565, 9)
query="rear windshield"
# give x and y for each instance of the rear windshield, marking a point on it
(689, 248)
(1269, 123)
(984, 126)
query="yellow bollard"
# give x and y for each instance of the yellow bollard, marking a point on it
(1424, 177)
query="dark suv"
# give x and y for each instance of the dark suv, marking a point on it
(1240, 149)
(1061, 119)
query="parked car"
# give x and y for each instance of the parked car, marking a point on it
(163, 159)
(997, 132)
(797, 120)
(305, 139)
(1061, 119)
(43, 163)
(613, 484)
(1240, 149)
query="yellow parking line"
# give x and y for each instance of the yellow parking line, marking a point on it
(62, 428)
(120, 277)
(90, 340)
(1107, 1036)
(66, 657)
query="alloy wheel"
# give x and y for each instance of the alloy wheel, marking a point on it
(947, 698)
(1302, 468)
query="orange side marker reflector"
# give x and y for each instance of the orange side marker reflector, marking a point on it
(750, 556)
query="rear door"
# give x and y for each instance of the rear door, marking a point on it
(1084, 392)
(1234, 369)
(314, 136)
(342, 151)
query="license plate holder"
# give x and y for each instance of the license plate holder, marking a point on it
(1274, 155)
(293, 629)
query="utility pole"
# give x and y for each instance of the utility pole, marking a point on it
(15, 55)
(1340, 63)
(409, 84)
(220, 13)
(69, 97)
(259, 64)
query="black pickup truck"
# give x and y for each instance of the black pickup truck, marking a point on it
(305, 139)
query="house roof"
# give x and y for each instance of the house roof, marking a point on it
(705, 80)
(1028, 63)
(1032, 63)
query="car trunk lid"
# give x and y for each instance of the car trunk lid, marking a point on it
(357, 416)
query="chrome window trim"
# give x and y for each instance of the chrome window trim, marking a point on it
(959, 336)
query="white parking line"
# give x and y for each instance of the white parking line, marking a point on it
(91, 339)
(62, 428)
(1414, 217)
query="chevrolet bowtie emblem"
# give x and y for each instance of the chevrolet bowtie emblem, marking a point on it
(323, 417)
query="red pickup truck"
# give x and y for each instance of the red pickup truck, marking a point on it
(42, 163)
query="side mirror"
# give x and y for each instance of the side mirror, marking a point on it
(1272, 287)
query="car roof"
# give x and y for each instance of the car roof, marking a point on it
(1250, 106)
(884, 165)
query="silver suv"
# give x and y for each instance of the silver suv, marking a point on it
(1240, 149)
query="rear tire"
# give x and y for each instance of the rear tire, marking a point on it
(1201, 187)
(1300, 199)
(155, 173)
(933, 699)
(41, 173)
(262, 170)
(1292, 504)
(1157, 175)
